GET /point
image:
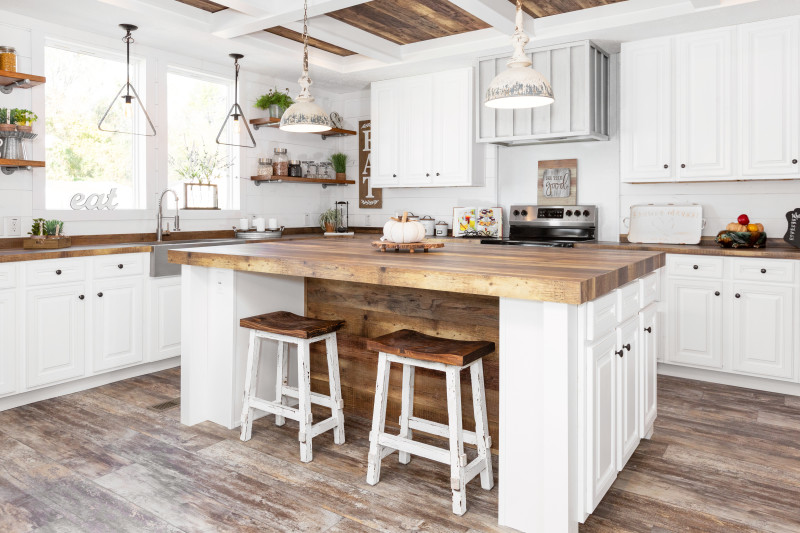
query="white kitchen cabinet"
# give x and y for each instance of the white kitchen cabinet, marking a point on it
(118, 323)
(627, 384)
(770, 120)
(601, 418)
(422, 131)
(55, 333)
(8, 342)
(648, 348)
(704, 110)
(646, 111)
(763, 330)
(165, 318)
(695, 322)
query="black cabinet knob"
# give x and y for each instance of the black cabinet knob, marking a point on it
(394, 175)
(794, 161)
(427, 175)
(716, 293)
(738, 295)
(695, 267)
(58, 272)
(627, 347)
(620, 353)
(120, 266)
(437, 173)
(648, 329)
(100, 294)
(683, 165)
(763, 270)
(666, 166)
(81, 297)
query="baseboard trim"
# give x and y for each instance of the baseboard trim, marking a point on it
(726, 378)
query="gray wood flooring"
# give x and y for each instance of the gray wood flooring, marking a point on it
(721, 459)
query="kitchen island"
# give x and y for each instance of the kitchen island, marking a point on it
(531, 302)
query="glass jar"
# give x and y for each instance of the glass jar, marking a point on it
(8, 58)
(295, 169)
(280, 163)
(265, 167)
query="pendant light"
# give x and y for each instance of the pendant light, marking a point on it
(304, 115)
(122, 121)
(519, 86)
(236, 112)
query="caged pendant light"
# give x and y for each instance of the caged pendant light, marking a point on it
(519, 86)
(236, 112)
(304, 115)
(112, 122)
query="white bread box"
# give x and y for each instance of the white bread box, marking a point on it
(665, 223)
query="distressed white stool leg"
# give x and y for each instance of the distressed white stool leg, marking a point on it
(304, 397)
(337, 404)
(481, 423)
(407, 409)
(378, 420)
(250, 381)
(281, 378)
(457, 458)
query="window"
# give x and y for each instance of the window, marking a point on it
(81, 158)
(196, 107)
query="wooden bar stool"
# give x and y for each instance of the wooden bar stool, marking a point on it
(288, 328)
(413, 349)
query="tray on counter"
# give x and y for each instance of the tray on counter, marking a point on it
(47, 242)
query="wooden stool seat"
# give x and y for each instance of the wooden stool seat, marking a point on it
(416, 345)
(412, 349)
(291, 325)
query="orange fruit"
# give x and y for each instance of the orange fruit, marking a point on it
(752, 227)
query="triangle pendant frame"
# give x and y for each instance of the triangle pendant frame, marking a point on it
(236, 109)
(138, 101)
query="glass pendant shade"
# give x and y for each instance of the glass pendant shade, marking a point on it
(519, 86)
(235, 118)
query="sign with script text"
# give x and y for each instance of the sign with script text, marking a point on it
(368, 198)
(793, 231)
(558, 182)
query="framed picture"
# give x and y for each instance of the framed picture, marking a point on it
(486, 222)
(558, 182)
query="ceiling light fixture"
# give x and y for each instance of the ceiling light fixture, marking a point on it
(124, 121)
(519, 86)
(304, 115)
(236, 112)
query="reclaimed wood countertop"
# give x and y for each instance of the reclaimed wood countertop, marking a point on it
(16, 254)
(570, 275)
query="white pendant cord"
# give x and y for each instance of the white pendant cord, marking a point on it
(519, 40)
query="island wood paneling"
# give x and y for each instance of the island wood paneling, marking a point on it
(537, 8)
(373, 310)
(316, 43)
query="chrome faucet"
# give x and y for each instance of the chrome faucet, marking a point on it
(160, 215)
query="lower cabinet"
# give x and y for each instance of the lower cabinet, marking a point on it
(695, 320)
(117, 323)
(648, 350)
(627, 353)
(8, 342)
(601, 419)
(164, 318)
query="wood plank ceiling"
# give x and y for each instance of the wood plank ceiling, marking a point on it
(205, 5)
(546, 8)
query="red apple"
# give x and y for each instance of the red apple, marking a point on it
(744, 220)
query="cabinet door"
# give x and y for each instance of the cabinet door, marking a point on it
(763, 330)
(452, 131)
(695, 322)
(648, 381)
(416, 166)
(55, 332)
(165, 318)
(770, 94)
(627, 398)
(646, 111)
(117, 331)
(385, 102)
(705, 114)
(8, 343)
(601, 419)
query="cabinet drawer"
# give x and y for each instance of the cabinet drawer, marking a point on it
(628, 301)
(55, 271)
(117, 265)
(763, 270)
(649, 289)
(601, 316)
(695, 266)
(8, 276)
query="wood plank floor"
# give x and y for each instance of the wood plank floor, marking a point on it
(721, 459)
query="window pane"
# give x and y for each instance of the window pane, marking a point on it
(80, 157)
(196, 109)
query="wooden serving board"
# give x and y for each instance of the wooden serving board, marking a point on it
(410, 246)
(35, 243)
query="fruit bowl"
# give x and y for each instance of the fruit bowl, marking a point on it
(741, 239)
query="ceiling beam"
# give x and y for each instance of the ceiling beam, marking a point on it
(248, 7)
(231, 24)
(172, 11)
(705, 4)
(349, 37)
(499, 14)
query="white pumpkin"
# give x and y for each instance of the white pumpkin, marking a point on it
(403, 231)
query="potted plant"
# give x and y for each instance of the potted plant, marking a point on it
(199, 168)
(275, 101)
(339, 162)
(24, 119)
(7, 120)
(329, 220)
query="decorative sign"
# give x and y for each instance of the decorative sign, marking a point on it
(558, 182)
(793, 231)
(94, 201)
(478, 222)
(368, 198)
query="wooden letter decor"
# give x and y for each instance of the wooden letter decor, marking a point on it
(558, 182)
(368, 198)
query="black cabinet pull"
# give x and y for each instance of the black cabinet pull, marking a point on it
(120, 266)
(58, 272)
(716, 293)
(627, 347)
(100, 294)
(81, 297)
(683, 165)
(695, 267)
(648, 329)
(437, 173)
(763, 270)
(620, 353)
(738, 295)
(394, 175)
(666, 166)
(794, 161)
(427, 174)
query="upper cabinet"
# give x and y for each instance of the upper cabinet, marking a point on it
(712, 105)
(579, 74)
(423, 131)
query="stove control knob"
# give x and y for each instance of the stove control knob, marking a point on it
(524, 213)
(577, 213)
(569, 212)
(586, 213)
(516, 212)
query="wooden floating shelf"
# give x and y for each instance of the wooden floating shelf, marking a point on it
(20, 163)
(17, 80)
(275, 122)
(286, 179)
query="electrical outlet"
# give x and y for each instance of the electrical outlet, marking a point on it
(307, 220)
(366, 221)
(13, 226)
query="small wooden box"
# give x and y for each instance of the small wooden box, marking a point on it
(50, 242)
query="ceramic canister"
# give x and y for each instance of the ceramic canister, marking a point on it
(441, 229)
(430, 225)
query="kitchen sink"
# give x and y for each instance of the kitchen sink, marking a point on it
(160, 265)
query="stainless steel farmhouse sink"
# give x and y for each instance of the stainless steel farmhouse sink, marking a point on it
(160, 266)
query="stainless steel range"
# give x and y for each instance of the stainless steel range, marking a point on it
(550, 226)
